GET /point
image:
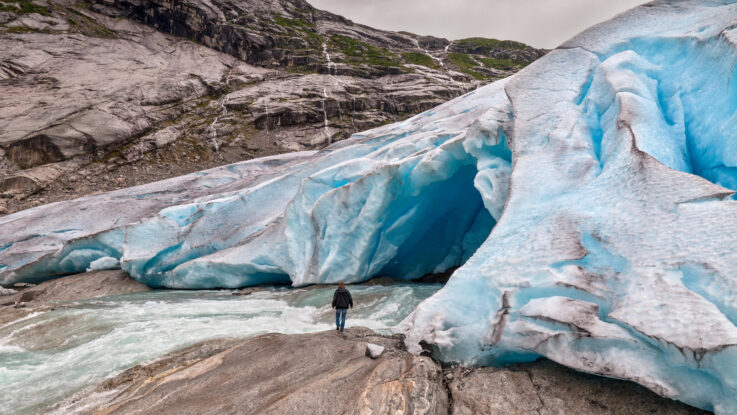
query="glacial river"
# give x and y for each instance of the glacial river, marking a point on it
(48, 356)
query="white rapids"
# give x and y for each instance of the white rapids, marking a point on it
(48, 356)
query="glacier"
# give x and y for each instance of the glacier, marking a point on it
(588, 201)
(399, 201)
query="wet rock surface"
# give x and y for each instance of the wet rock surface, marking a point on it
(547, 388)
(95, 98)
(75, 287)
(329, 373)
(318, 373)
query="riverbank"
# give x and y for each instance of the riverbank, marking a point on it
(50, 350)
(99, 337)
(330, 373)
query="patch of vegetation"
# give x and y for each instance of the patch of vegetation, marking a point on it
(314, 39)
(466, 64)
(83, 24)
(358, 52)
(22, 29)
(300, 69)
(116, 153)
(299, 23)
(462, 60)
(303, 25)
(418, 58)
(485, 46)
(502, 63)
(24, 7)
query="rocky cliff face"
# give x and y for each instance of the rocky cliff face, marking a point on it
(96, 98)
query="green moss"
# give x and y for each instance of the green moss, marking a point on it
(501, 63)
(355, 48)
(23, 6)
(462, 60)
(417, 58)
(299, 23)
(484, 45)
(358, 52)
(20, 29)
(303, 27)
(117, 153)
(466, 64)
(300, 69)
(314, 39)
(87, 26)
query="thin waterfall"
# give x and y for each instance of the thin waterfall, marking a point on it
(325, 95)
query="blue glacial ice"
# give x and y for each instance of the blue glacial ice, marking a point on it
(588, 200)
(399, 201)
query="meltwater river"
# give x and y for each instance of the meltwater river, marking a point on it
(48, 356)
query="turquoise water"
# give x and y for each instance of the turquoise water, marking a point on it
(50, 355)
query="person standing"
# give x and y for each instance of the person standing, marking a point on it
(341, 301)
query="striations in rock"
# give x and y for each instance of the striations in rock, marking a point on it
(546, 388)
(318, 373)
(94, 98)
(326, 373)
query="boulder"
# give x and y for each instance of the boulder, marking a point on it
(374, 351)
(7, 291)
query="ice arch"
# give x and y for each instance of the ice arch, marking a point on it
(404, 200)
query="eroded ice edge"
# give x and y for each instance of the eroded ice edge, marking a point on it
(605, 170)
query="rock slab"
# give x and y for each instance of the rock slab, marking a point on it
(319, 373)
(330, 373)
(78, 287)
(546, 388)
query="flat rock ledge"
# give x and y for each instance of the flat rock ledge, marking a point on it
(76, 287)
(31, 298)
(317, 373)
(329, 373)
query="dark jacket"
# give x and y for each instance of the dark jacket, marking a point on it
(342, 298)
